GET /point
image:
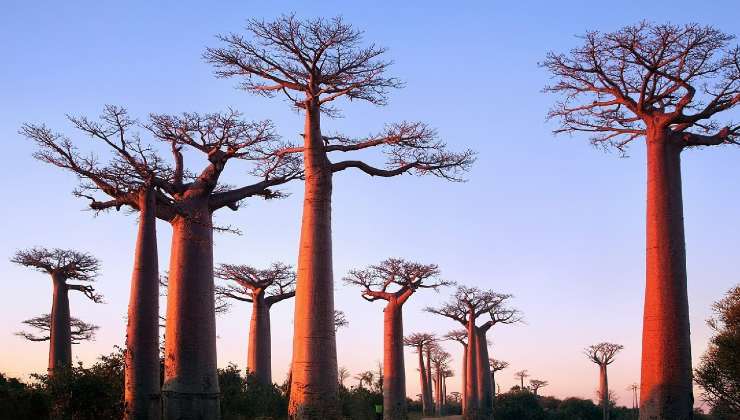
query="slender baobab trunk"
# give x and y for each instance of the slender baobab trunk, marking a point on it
(604, 392)
(259, 359)
(60, 344)
(190, 388)
(471, 385)
(430, 388)
(394, 380)
(425, 403)
(437, 394)
(485, 392)
(464, 376)
(666, 348)
(142, 393)
(314, 382)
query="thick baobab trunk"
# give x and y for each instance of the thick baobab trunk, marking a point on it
(314, 382)
(259, 359)
(60, 344)
(666, 348)
(471, 384)
(142, 392)
(190, 388)
(603, 392)
(485, 392)
(394, 379)
(426, 404)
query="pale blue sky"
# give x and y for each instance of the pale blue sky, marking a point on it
(552, 220)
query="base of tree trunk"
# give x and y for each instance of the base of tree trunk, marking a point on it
(190, 406)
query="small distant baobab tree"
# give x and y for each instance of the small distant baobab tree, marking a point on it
(63, 266)
(263, 289)
(394, 281)
(465, 307)
(603, 354)
(440, 364)
(522, 375)
(79, 330)
(420, 342)
(536, 384)
(340, 320)
(496, 365)
(665, 83)
(315, 63)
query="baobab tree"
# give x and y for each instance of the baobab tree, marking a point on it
(365, 377)
(79, 330)
(263, 288)
(603, 354)
(129, 178)
(522, 375)
(496, 365)
(420, 342)
(314, 63)
(440, 365)
(63, 266)
(665, 83)
(461, 336)
(536, 384)
(465, 307)
(187, 201)
(340, 320)
(394, 281)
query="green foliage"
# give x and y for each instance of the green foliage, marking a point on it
(719, 371)
(358, 403)
(244, 397)
(518, 405)
(21, 401)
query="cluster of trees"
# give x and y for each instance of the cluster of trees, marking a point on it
(664, 83)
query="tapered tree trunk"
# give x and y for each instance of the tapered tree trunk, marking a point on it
(464, 376)
(437, 396)
(60, 344)
(190, 388)
(425, 403)
(430, 387)
(394, 379)
(485, 385)
(471, 385)
(259, 359)
(314, 382)
(666, 348)
(603, 392)
(142, 392)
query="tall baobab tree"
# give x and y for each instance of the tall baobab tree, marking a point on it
(62, 265)
(315, 63)
(536, 384)
(496, 365)
(187, 202)
(465, 307)
(522, 375)
(419, 342)
(603, 354)
(129, 178)
(440, 364)
(263, 289)
(79, 330)
(394, 281)
(665, 83)
(461, 336)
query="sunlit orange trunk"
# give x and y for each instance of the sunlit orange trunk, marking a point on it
(430, 385)
(314, 383)
(190, 388)
(259, 356)
(438, 393)
(142, 397)
(425, 402)
(464, 376)
(471, 371)
(666, 349)
(60, 344)
(394, 379)
(603, 392)
(485, 392)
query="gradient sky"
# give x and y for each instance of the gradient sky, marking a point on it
(553, 221)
